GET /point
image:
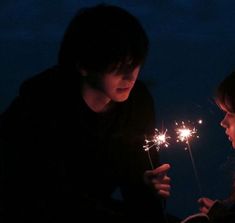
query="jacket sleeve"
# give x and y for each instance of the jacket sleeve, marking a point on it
(220, 214)
(9, 158)
(17, 124)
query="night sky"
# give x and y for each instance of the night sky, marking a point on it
(192, 48)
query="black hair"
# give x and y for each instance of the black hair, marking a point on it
(225, 93)
(103, 38)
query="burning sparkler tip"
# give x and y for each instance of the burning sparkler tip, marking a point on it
(200, 121)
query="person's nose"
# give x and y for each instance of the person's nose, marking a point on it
(131, 76)
(224, 122)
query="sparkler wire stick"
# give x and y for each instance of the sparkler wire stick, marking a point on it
(158, 140)
(150, 160)
(194, 168)
(184, 134)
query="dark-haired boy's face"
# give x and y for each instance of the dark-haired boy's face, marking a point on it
(117, 85)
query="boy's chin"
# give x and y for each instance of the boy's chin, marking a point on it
(122, 99)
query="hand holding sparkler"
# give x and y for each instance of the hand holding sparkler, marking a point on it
(158, 180)
(205, 204)
(184, 134)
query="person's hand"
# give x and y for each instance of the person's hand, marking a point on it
(158, 180)
(205, 204)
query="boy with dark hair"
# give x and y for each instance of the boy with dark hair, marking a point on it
(75, 132)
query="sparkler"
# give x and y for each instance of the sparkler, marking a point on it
(158, 140)
(184, 134)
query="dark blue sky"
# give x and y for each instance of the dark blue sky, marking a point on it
(192, 48)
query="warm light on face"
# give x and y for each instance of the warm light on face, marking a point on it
(117, 86)
(228, 123)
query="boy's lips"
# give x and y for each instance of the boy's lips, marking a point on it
(124, 89)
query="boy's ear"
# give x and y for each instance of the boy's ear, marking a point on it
(83, 72)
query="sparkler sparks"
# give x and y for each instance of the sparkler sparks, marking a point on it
(159, 139)
(184, 133)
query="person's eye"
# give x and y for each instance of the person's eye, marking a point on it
(230, 115)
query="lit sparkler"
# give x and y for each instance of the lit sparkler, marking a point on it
(184, 134)
(158, 140)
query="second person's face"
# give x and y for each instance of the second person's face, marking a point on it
(229, 124)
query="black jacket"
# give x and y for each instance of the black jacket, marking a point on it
(62, 161)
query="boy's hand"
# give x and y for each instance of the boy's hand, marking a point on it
(158, 180)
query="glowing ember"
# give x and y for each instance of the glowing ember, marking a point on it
(200, 121)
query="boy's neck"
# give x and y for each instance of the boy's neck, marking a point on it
(95, 99)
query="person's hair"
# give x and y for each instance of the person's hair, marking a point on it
(103, 38)
(225, 93)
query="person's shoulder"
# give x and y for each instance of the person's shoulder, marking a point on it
(41, 82)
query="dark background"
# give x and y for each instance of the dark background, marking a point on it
(192, 49)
